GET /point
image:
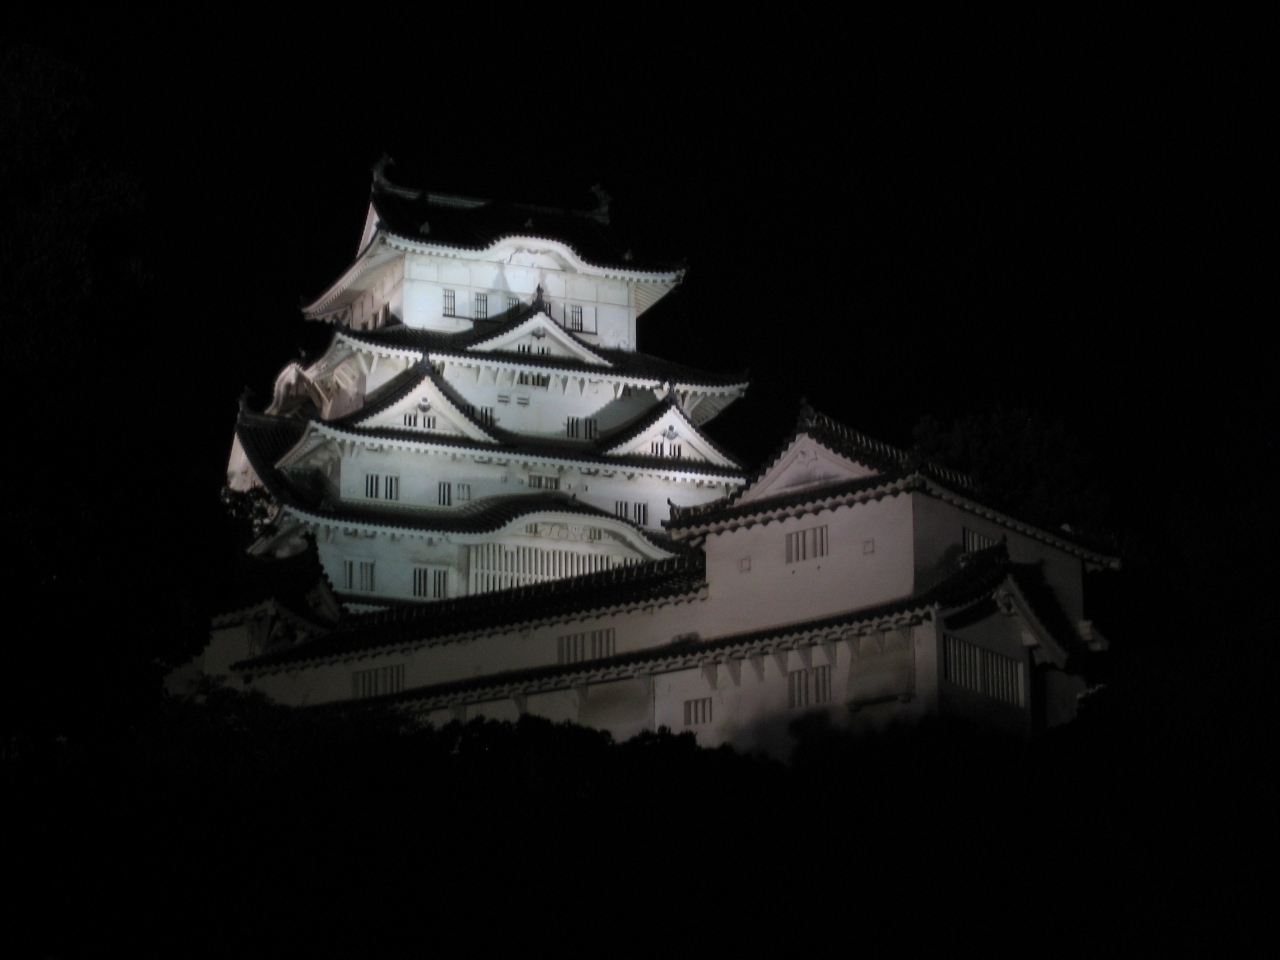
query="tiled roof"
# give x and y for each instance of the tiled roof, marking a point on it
(678, 576)
(981, 575)
(630, 432)
(391, 393)
(265, 439)
(474, 224)
(515, 446)
(623, 363)
(288, 580)
(719, 511)
(484, 515)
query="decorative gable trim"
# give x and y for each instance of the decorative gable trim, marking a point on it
(540, 327)
(807, 464)
(669, 426)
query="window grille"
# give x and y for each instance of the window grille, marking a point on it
(588, 645)
(976, 541)
(622, 508)
(357, 575)
(391, 487)
(464, 491)
(496, 566)
(544, 350)
(372, 485)
(524, 348)
(450, 304)
(485, 415)
(348, 574)
(797, 689)
(429, 422)
(504, 398)
(697, 711)
(540, 482)
(534, 379)
(641, 514)
(807, 544)
(444, 494)
(983, 671)
(431, 582)
(575, 318)
(659, 448)
(573, 427)
(410, 419)
(522, 401)
(513, 304)
(377, 682)
(482, 306)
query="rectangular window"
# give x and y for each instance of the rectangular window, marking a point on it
(482, 306)
(622, 508)
(444, 494)
(464, 491)
(805, 687)
(410, 419)
(697, 711)
(377, 682)
(575, 318)
(378, 486)
(586, 428)
(504, 398)
(589, 645)
(659, 448)
(544, 351)
(983, 671)
(797, 689)
(641, 514)
(429, 422)
(450, 304)
(522, 401)
(976, 541)
(573, 427)
(807, 544)
(540, 482)
(485, 415)
(524, 348)
(431, 582)
(513, 304)
(534, 379)
(348, 574)
(358, 575)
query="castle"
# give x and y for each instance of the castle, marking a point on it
(485, 501)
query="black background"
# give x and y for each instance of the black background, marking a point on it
(936, 215)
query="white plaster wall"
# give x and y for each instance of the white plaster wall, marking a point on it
(549, 407)
(771, 591)
(608, 316)
(422, 471)
(940, 526)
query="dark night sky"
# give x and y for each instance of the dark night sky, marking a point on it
(930, 218)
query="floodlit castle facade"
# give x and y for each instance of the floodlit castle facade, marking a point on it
(486, 502)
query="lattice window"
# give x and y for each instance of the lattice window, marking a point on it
(513, 304)
(431, 582)
(983, 671)
(450, 303)
(463, 490)
(410, 419)
(797, 689)
(976, 541)
(641, 513)
(357, 575)
(372, 485)
(822, 684)
(485, 415)
(444, 493)
(807, 544)
(588, 645)
(481, 310)
(539, 481)
(524, 348)
(534, 379)
(575, 318)
(377, 682)
(496, 566)
(697, 711)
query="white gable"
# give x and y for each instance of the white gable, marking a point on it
(541, 334)
(672, 436)
(427, 410)
(806, 463)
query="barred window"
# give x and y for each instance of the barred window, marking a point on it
(513, 304)
(357, 575)
(482, 306)
(380, 486)
(410, 419)
(661, 448)
(538, 481)
(444, 494)
(377, 682)
(524, 348)
(976, 541)
(372, 485)
(808, 686)
(983, 671)
(575, 318)
(429, 421)
(431, 582)
(485, 415)
(450, 304)
(807, 544)
(641, 514)
(534, 379)
(697, 711)
(588, 645)
(464, 491)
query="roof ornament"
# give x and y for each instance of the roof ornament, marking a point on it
(539, 333)
(602, 203)
(538, 302)
(671, 433)
(425, 228)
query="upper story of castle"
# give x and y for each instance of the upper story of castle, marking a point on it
(445, 263)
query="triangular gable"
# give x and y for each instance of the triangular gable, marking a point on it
(425, 409)
(806, 463)
(541, 335)
(670, 434)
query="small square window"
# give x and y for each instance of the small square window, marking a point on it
(744, 564)
(868, 546)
